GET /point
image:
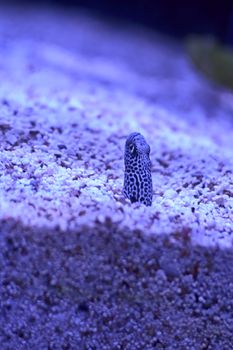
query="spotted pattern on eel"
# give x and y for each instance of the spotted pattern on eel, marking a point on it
(137, 179)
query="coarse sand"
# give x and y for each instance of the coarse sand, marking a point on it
(80, 266)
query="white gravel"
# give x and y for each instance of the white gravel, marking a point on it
(73, 151)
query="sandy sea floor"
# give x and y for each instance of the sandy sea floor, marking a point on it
(80, 266)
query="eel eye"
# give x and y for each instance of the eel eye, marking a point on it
(131, 148)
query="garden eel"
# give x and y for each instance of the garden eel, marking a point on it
(137, 177)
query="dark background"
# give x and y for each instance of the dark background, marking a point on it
(174, 17)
